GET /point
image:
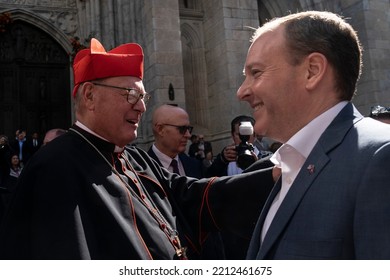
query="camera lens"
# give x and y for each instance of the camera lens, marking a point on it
(244, 155)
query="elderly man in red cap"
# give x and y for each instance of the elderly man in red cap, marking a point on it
(87, 195)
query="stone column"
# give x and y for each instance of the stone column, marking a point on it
(163, 59)
(226, 42)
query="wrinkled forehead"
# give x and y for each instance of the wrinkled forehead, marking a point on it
(124, 81)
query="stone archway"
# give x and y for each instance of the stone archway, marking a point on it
(34, 80)
(195, 77)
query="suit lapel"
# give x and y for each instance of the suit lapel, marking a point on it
(154, 156)
(294, 196)
(312, 167)
(184, 162)
(254, 247)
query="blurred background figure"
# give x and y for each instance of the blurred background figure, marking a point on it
(21, 147)
(204, 147)
(14, 171)
(199, 147)
(34, 142)
(194, 145)
(380, 113)
(52, 134)
(9, 181)
(208, 160)
(5, 155)
(172, 130)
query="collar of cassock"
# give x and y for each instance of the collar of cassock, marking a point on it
(99, 142)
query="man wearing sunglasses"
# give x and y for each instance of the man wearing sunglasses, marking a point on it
(89, 195)
(172, 130)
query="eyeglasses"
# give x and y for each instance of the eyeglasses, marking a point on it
(133, 95)
(182, 128)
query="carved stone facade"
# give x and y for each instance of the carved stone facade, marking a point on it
(195, 49)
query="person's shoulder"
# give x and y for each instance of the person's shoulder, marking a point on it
(262, 163)
(184, 156)
(190, 161)
(142, 160)
(373, 130)
(133, 149)
(138, 153)
(63, 146)
(192, 166)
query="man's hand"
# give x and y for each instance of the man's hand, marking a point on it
(229, 153)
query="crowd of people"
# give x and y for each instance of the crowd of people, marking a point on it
(319, 192)
(15, 152)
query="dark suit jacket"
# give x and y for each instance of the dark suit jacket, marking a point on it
(26, 151)
(192, 167)
(33, 148)
(339, 208)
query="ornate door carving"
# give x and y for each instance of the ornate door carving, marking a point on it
(34, 81)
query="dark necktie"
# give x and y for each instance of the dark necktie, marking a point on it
(175, 166)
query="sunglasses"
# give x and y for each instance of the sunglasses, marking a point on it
(182, 128)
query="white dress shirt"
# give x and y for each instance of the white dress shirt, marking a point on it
(291, 156)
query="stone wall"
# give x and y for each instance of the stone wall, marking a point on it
(226, 40)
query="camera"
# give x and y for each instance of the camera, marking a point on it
(245, 155)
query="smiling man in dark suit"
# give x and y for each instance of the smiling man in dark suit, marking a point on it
(332, 201)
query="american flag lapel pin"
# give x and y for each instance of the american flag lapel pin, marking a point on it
(310, 168)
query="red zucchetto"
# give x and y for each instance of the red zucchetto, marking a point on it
(96, 63)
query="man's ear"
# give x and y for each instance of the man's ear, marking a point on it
(159, 128)
(87, 94)
(317, 65)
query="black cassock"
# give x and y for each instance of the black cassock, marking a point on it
(71, 204)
